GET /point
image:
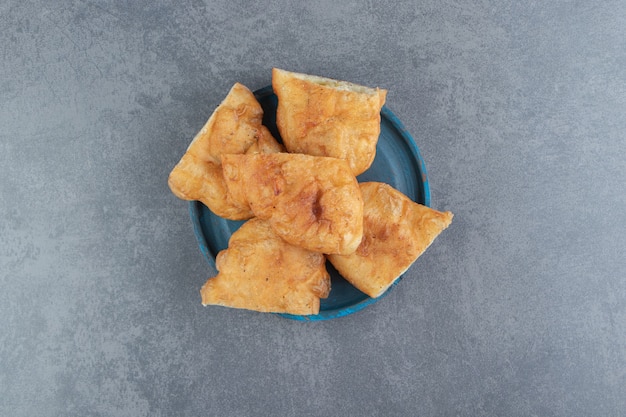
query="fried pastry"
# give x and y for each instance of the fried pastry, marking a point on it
(234, 128)
(310, 201)
(197, 179)
(260, 271)
(325, 117)
(396, 232)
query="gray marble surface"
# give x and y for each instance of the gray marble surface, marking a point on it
(518, 309)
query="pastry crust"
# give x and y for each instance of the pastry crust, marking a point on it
(325, 117)
(197, 179)
(233, 128)
(396, 232)
(260, 271)
(310, 201)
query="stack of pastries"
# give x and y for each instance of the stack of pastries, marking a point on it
(301, 199)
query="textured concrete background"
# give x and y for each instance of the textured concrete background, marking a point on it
(519, 309)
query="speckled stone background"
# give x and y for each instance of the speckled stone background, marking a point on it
(519, 309)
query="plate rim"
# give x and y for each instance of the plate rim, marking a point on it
(423, 186)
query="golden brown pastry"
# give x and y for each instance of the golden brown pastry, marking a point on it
(310, 201)
(196, 179)
(260, 271)
(325, 117)
(396, 232)
(234, 128)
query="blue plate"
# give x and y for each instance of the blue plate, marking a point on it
(398, 162)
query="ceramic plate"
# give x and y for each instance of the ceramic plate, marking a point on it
(398, 163)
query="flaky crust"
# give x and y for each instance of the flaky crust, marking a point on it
(234, 128)
(260, 271)
(311, 202)
(325, 117)
(396, 232)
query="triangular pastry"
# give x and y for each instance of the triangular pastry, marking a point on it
(325, 117)
(310, 201)
(233, 128)
(260, 271)
(396, 231)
